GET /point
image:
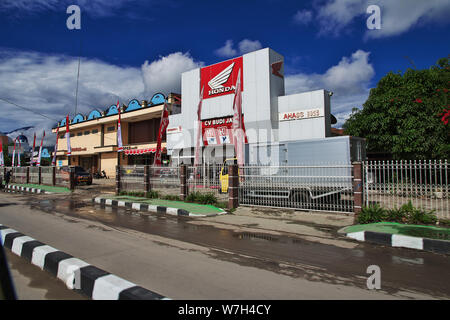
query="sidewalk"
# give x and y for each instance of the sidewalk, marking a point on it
(428, 238)
(160, 206)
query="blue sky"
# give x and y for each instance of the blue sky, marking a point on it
(132, 48)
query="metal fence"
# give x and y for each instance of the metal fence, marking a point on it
(165, 180)
(46, 175)
(206, 179)
(394, 183)
(34, 175)
(62, 177)
(325, 187)
(20, 175)
(132, 178)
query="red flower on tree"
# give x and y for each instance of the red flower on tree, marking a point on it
(418, 100)
(445, 116)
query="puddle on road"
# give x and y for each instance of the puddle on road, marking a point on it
(261, 250)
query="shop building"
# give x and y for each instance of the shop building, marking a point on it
(269, 115)
(93, 137)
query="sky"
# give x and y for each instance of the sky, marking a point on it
(136, 48)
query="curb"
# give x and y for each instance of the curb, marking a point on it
(397, 240)
(151, 208)
(93, 282)
(10, 187)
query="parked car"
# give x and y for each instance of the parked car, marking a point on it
(81, 176)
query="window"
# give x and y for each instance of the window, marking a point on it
(111, 128)
(95, 131)
(86, 132)
(79, 134)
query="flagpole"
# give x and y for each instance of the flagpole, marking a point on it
(199, 134)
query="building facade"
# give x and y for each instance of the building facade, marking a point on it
(93, 137)
(269, 115)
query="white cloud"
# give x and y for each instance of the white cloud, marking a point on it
(245, 46)
(47, 84)
(164, 75)
(397, 16)
(303, 17)
(92, 7)
(349, 80)
(227, 50)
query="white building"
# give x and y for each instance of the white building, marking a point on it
(269, 115)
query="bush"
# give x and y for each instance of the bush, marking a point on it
(406, 214)
(171, 197)
(202, 198)
(371, 214)
(152, 194)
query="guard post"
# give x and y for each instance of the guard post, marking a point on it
(183, 182)
(233, 186)
(357, 189)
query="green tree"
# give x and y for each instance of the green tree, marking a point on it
(403, 114)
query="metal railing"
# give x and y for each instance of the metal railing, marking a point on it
(394, 183)
(34, 175)
(62, 177)
(46, 175)
(206, 179)
(20, 175)
(325, 187)
(132, 178)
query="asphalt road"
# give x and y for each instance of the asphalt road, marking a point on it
(181, 260)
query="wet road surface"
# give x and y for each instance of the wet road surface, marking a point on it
(402, 269)
(31, 283)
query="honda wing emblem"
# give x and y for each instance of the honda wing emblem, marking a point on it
(221, 78)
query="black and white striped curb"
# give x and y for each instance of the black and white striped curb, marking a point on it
(95, 283)
(10, 187)
(151, 208)
(398, 240)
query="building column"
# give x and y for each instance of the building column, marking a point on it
(357, 189)
(183, 182)
(233, 186)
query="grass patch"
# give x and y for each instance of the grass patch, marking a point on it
(43, 187)
(406, 214)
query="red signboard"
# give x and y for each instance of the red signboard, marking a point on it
(220, 79)
(218, 131)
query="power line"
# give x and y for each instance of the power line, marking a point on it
(30, 110)
(45, 116)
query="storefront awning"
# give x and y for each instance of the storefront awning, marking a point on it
(139, 151)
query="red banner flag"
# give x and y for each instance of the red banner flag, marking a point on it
(40, 150)
(18, 153)
(238, 128)
(162, 128)
(14, 153)
(69, 149)
(2, 161)
(56, 147)
(119, 132)
(199, 130)
(32, 151)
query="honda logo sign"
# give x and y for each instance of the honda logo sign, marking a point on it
(220, 79)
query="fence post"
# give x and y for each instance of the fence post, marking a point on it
(28, 175)
(147, 178)
(54, 176)
(39, 175)
(117, 180)
(71, 178)
(233, 186)
(357, 189)
(183, 182)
